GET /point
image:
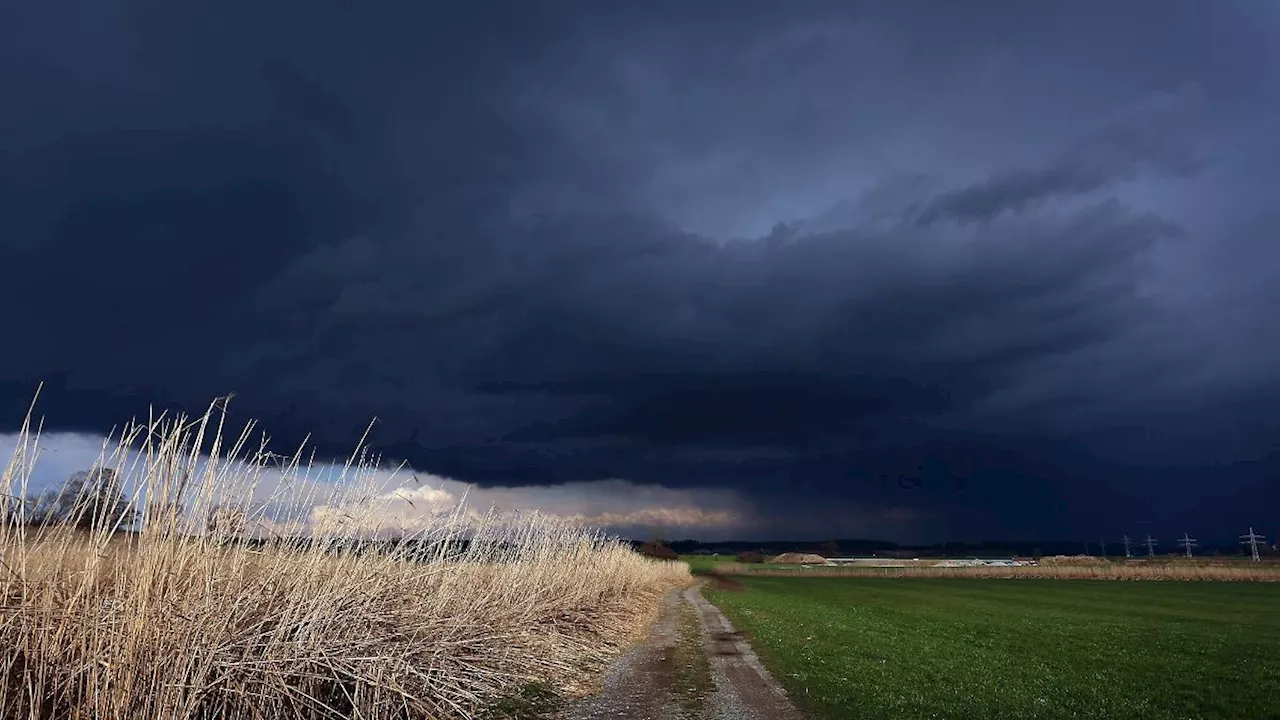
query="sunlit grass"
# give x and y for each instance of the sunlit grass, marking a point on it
(705, 564)
(919, 648)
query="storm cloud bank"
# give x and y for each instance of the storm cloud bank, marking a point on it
(922, 272)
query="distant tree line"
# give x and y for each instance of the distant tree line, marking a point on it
(89, 500)
(95, 500)
(857, 547)
(657, 549)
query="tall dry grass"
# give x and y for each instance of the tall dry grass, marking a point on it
(174, 621)
(1242, 572)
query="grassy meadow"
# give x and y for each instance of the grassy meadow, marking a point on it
(944, 648)
(707, 564)
(176, 620)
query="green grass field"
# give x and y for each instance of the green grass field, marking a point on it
(931, 648)
(704, 564)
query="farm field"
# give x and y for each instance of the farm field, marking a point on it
(945, 648)
(728, 565)
(706, 564)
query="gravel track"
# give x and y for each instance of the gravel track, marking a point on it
(647, 683)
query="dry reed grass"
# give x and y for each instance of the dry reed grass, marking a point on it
(174, 622)
(1240, 572)
(1072, 560)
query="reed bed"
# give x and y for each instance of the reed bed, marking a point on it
(290, 617)
(1240, 572)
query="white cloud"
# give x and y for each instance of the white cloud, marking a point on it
(405, 499)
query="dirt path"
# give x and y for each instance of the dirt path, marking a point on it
(693, 666)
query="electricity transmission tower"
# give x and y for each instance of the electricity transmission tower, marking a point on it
(1252, 540)
(1104, 548)
(1128, 552)
(1150, 542)
(1188, 542)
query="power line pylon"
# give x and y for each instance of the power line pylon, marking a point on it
(1150, 542)
(1252, 540)
(1128, 547)
(1187, 542)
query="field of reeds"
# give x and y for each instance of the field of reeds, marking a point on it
(1222, 572)
(284, 612)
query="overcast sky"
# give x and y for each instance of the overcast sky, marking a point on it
(917, 271)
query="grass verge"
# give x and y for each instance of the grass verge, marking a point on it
(692, 682)
(532, 701)
(913, 648)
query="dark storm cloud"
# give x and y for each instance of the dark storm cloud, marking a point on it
(1156, 133)
(996, 247)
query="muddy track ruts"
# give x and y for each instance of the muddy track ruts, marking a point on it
(693, 666)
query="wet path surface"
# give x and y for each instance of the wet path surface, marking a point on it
(694, 666)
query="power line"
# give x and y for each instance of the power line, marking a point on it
(1252, 541)
(1187, 542)
(1150, 542)
(1128, 551)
